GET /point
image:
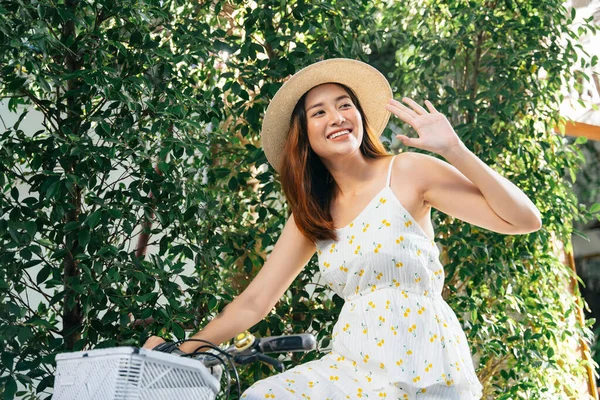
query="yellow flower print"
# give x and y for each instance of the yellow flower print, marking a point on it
(413, 329)
(341, 358)
(421, 309)
(350, 239)
(416, 379)
(418, 252)
(365, 227)
(456, 365)
(382, 365)
(357, 289)
(380, 342)
(408, 223)
(290, 381)
(357, 251)
(359, 392)
(378, 275)
(395, 283)
(305, 396)
(343, 267)
(346, 328)
(377, 247)
(417, 278)
(373, 288)
(450, 382)
(383, 395)
(384, 223)
(382, 201)
(361, 272)
(387, 304)
(428, 366)
(404, 396)
(369, 379)
(326, 264)
(404, 294)
(351, 225)
(311, 384)
(394, 329)
(290, 390)
(432, 337)
(334, 378)
(371, 305)
(270, 395)
(319, 252)
(399, 362)
(381, 320)
(334, 366)
(439, 273)
(400, 239)
(406, 311)
(365, 357)
(397, 264)
(332, 249)
(365, 329)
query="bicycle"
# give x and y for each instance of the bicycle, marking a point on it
(132, 373)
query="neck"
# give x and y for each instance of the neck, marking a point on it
(352, 173)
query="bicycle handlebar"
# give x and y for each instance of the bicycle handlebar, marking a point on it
(247, 348)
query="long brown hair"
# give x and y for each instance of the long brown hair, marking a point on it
(307, 183)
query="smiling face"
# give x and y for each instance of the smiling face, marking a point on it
(333, 122)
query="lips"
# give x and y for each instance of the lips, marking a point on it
(339, 132)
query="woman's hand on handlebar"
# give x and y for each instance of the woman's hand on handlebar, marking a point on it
(152, 342)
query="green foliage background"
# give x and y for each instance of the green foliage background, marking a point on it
(152, 113)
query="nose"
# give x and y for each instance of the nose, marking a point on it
(337, 118)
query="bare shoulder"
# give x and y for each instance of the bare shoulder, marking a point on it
(413, 168)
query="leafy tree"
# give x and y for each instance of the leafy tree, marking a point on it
(147, 167)
(497, 69)
(146, 195)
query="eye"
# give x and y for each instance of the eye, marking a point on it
(346, 105)
(317, 113)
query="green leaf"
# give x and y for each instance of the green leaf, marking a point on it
(84, 237)
(43, 275)
(94, 218)
(10, 388)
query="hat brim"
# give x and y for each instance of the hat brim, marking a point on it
(369, 85)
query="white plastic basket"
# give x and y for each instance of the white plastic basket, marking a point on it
(129, 373)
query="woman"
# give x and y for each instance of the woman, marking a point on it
(367, 214)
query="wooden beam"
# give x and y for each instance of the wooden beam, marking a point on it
(572, 128)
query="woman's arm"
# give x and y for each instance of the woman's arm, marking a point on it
(466, 188)
(289, 256)
(471, 191)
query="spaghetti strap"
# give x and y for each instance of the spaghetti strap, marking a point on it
(389, 175)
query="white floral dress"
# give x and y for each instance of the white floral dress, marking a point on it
(396, 338)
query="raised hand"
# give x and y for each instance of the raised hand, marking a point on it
(434, 131)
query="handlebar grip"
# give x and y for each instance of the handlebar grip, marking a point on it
(281, 344)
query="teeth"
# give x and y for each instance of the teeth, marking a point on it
(340, 133)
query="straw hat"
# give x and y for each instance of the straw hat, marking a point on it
(369, 85)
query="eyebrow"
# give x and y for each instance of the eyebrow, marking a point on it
(344, 96)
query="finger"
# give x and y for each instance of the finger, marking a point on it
(401, 111)
(415, 106)
(152, 342)
(404, 108)
(430, 107)
(407, 141)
